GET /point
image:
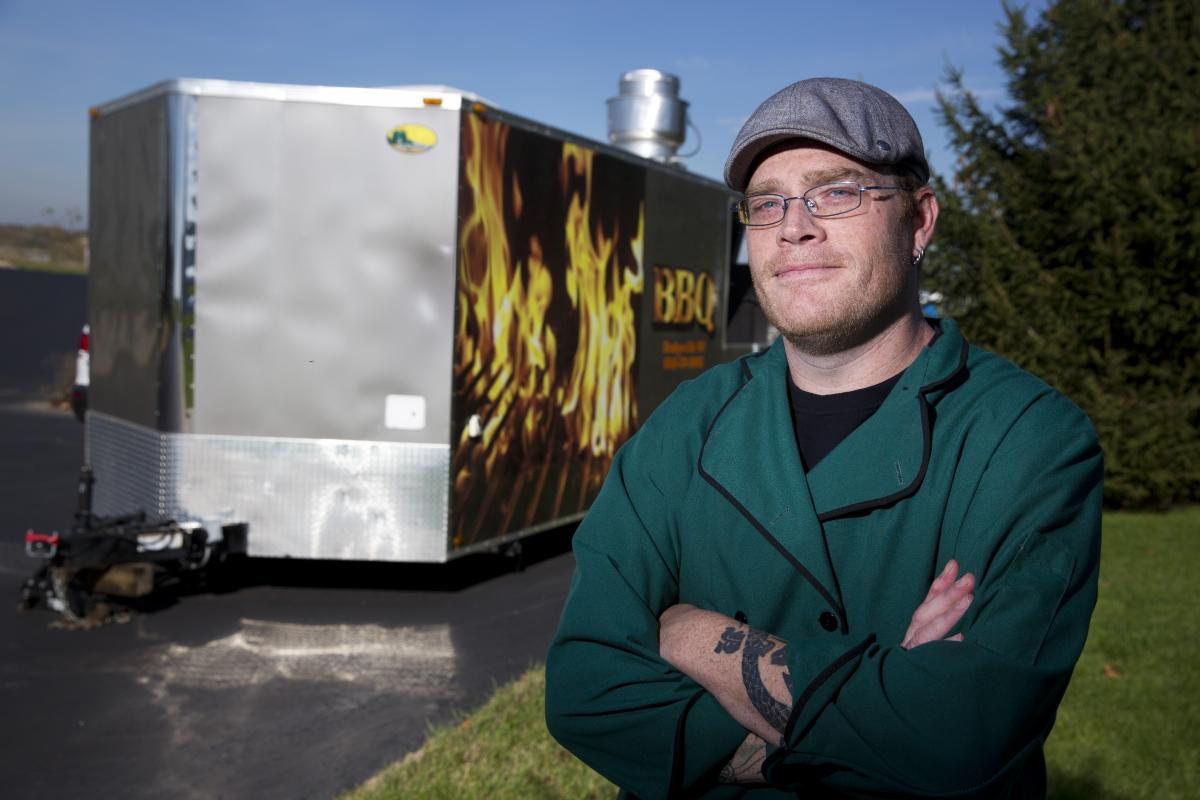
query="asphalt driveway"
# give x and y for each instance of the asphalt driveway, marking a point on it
(300, 682)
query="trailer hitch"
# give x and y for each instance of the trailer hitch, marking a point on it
(41, 545)
(107, 561)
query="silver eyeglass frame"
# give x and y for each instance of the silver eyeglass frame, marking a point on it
(743, 212)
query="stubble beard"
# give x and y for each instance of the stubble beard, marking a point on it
(861, 311)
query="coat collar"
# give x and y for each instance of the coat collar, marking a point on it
(750, 456)
(884, 460)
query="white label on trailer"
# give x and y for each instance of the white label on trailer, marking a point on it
(404, 412)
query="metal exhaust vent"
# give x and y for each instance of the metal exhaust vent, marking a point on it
(647, 117)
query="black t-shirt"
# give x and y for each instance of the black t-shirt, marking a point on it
(821, 421)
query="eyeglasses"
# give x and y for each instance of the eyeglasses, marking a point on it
(826, 200)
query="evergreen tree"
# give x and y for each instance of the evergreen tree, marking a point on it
(1070, 234)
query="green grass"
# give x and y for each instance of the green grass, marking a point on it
(1130, 723)
(44, 248)
(501, 751)
(1128, 728)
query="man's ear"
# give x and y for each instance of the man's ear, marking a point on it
(924, 218)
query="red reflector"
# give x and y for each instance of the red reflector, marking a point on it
(83, 341)
(48, 538)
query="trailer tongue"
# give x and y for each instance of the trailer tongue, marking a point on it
(105, 562)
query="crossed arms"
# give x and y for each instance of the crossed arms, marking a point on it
(746, 669)
(868, 711)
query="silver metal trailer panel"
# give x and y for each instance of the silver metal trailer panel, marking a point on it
(380, 324)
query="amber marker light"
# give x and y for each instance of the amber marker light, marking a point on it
(479, 108)
(432, 101)
(93, 112)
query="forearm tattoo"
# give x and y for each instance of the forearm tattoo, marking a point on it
(730, 641)
(754, 645)
(779, 659)
(746, 764)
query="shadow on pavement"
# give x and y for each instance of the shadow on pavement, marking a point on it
(242, 573)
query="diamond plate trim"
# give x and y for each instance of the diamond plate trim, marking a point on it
(303, 498)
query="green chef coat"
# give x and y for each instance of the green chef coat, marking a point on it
(968, 458)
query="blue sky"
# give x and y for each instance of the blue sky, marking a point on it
(555, 62)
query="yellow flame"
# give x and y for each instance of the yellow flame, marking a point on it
(536, 412)
(599, 404)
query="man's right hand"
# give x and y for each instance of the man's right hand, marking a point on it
(949, 598)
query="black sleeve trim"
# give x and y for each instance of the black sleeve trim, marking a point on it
(824, 675)
(674, 789)
(797, 709)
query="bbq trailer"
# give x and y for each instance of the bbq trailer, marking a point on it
(393, 324)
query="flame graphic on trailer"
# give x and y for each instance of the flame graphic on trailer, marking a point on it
(547, 313)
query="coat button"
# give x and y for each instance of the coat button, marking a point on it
(828, 621)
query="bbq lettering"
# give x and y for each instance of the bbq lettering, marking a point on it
(683, 297)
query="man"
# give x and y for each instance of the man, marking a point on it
(861, 563)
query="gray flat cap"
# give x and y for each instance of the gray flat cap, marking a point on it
(860, 120)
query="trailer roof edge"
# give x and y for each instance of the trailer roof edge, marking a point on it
(415, 96)
(448, 98)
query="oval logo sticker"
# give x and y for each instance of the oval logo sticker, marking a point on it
(411, 138)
